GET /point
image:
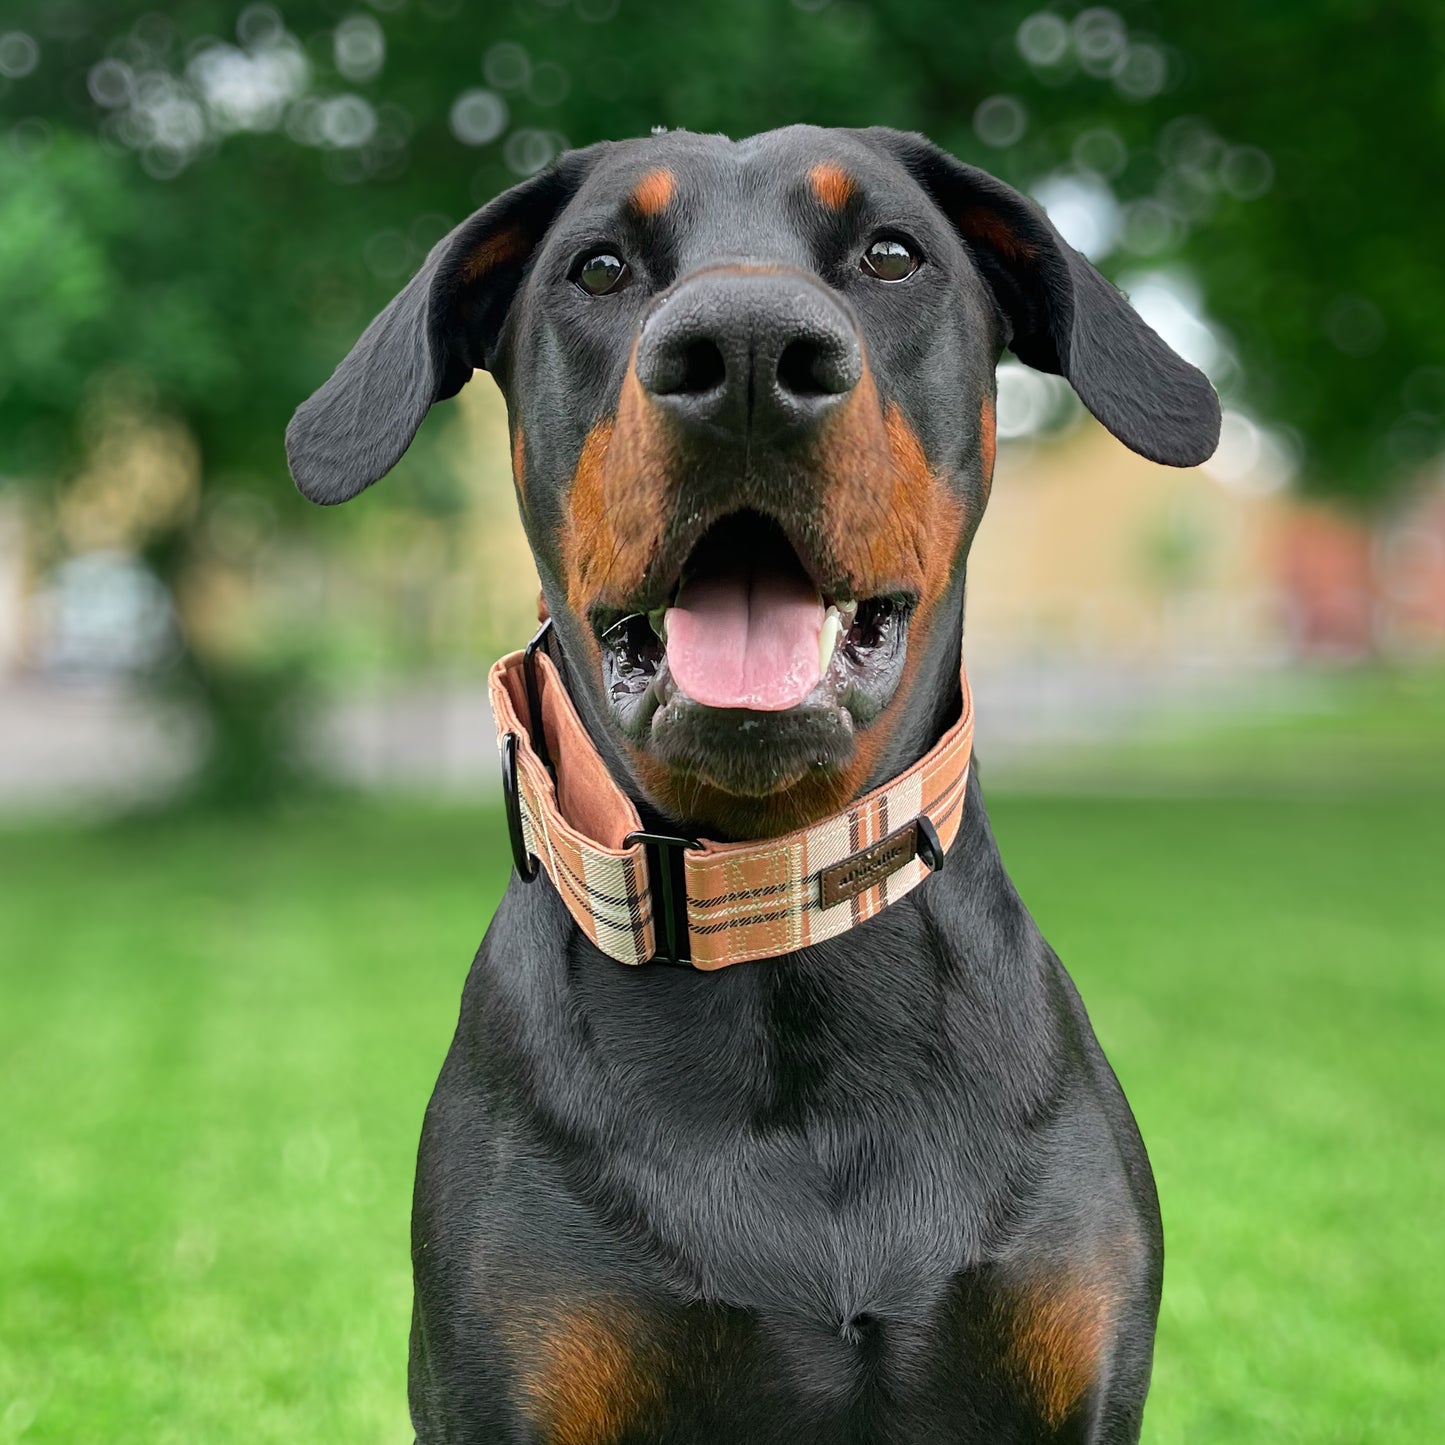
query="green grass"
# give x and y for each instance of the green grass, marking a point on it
(216, 1042)
(1356, 731)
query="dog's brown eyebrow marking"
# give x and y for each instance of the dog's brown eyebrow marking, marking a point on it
(653, 193)
(982, 224)
(831, 184)
(511, 243)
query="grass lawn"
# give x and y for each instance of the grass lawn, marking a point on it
(216, 1042)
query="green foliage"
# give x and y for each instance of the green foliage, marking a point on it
(236, 275)
(57, 284)
(214, 1074)
(1331, 283)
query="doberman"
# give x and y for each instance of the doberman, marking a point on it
(876, 1183)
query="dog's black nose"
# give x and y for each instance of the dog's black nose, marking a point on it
(749, 354)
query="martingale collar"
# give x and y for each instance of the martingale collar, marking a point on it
(641, 896)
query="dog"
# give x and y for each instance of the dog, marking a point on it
(770, 1116)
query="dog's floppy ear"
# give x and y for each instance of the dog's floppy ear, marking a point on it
(1064, 316)
(425, 345)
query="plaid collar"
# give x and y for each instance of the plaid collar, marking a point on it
(640, 896)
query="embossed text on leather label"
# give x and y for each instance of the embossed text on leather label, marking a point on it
(868, 868)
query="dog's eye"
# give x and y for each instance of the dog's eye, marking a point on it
(890, 259)
(600, 273)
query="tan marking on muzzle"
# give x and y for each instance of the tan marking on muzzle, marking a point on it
(618, 503)
(888, 519)
(896, 525)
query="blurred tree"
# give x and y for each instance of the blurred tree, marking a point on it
(211, 201)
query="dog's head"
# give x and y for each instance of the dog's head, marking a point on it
(751, 390)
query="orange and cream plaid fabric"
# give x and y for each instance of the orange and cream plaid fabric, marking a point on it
(744, 900)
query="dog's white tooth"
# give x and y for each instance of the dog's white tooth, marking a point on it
(828, 637)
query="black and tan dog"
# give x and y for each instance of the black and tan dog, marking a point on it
(880, 1186)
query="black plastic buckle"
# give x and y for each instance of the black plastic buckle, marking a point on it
(667, 871)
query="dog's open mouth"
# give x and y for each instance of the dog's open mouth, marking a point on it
(747, 672)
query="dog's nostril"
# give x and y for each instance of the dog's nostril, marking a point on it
(807, 368)
(694, 369)
(703, 367)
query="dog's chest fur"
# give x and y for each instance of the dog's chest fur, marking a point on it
(814, 1187)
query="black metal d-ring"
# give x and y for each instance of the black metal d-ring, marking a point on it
(526, 865)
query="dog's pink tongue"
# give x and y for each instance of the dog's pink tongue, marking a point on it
(746, 641)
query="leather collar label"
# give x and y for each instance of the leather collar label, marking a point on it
(861, 871)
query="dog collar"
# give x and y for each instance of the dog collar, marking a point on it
(641, 896)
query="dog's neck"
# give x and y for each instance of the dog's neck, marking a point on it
(957, 969)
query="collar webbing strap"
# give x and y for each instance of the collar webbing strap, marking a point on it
(637, 895)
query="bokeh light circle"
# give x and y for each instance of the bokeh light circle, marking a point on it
(507, 66)
(478, 116)
(1355, 326)
(260, 26)
(1000, 121)
(549, 84)
(1143, 73)
(347, 121)
(19, 54)
(111, 83)
(1101, 151)
(1099, 40)
(359, 48)
(528, 150)
(1246, 172)
(1043, 39)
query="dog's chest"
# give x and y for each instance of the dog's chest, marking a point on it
(817, 1224)
(781, 1143)
(976, 1363)
(779, 1214)
(805, 1285)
